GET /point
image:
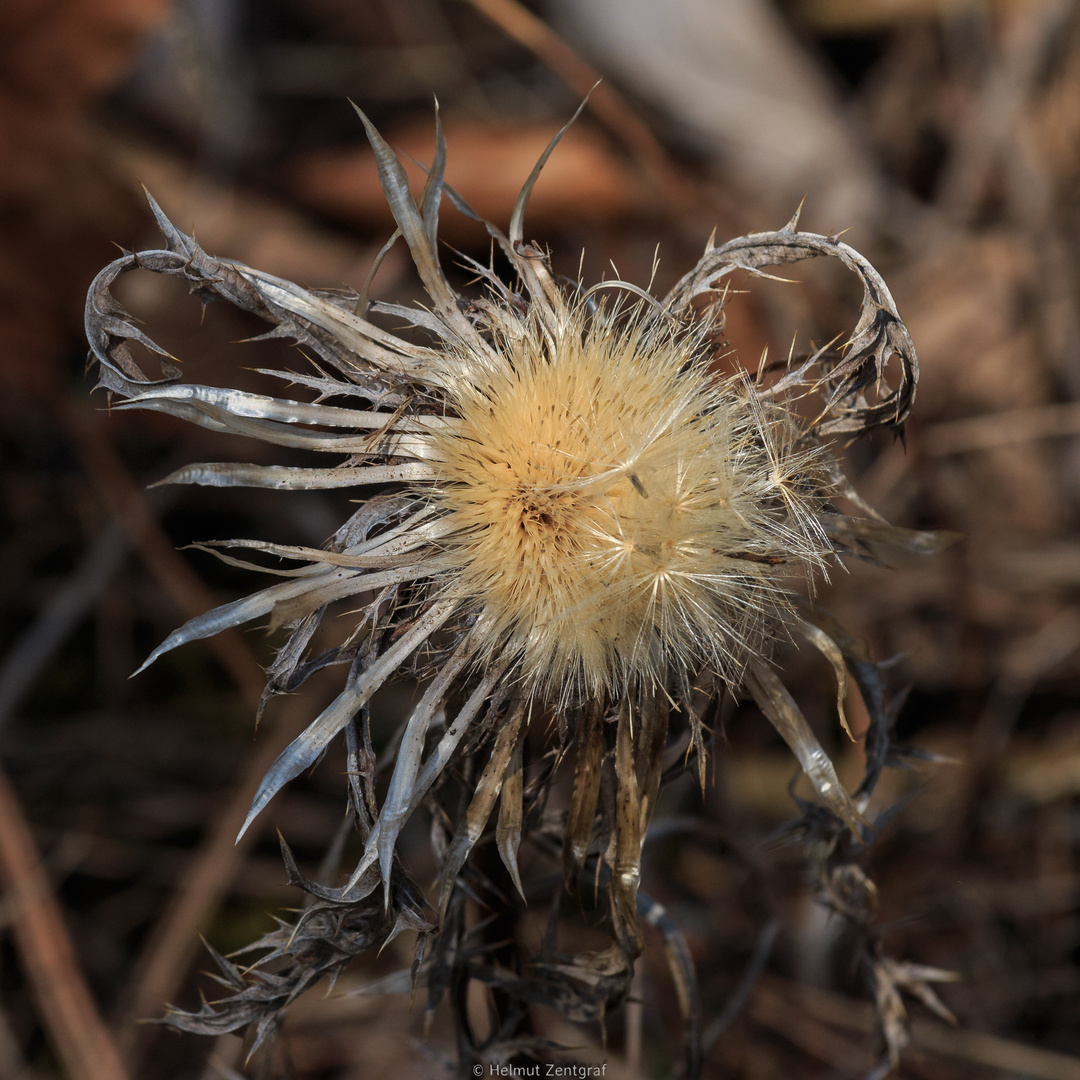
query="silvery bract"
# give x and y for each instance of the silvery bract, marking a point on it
(570, 524)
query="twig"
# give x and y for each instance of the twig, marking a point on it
(32, 651)
(221, 1062)
(130, 507)
(527, 29)
(802, 1028)
(634, 1020)
(1023, 662)
(13, 1065)
(990, 131)
(975, 1047)
(173, 940)
(27, 658)
(1002, 429)
(737, 1002)
(67, 1009)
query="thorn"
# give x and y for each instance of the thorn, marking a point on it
(793, 224)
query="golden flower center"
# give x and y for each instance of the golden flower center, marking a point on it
(602, 510)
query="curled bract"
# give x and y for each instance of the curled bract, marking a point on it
(567, 514)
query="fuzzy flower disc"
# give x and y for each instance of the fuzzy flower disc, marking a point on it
(615, 510)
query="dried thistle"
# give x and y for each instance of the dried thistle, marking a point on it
(574, 517)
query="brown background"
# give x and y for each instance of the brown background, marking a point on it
(945, 134)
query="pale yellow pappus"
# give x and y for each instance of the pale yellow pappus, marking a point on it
(616, 512)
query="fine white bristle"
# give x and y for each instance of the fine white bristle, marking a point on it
(614, 509)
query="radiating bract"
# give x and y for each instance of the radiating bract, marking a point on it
(568, 512)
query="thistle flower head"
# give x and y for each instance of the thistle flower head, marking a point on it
(569, 510)
(615, 513)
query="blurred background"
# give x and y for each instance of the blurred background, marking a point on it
(943, 134)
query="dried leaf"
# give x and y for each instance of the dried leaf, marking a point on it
(483, 801)
(586, 791)
(309, 745)
(511, 816)
(779, 706)
(919, 541)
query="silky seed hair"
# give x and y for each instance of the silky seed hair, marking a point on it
(568, 511)
(616, 512)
